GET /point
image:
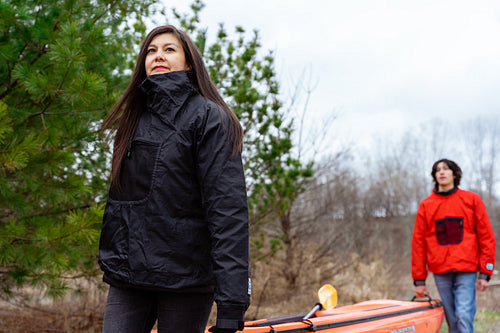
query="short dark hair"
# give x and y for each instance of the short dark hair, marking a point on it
(457, 172)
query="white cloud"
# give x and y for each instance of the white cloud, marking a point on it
(386, 64)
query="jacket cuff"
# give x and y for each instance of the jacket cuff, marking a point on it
(419, 283)
(484, 276)
(230, 317)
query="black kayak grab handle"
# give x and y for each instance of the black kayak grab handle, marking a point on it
(424, 300)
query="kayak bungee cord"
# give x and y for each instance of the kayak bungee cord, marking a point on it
(314, 328)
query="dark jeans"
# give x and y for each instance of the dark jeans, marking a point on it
(136, 311)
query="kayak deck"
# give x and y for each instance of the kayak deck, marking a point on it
(370, 316)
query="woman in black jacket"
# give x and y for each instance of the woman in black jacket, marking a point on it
(175, 227)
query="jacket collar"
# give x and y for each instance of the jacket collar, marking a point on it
(167, 92)
(450, 192)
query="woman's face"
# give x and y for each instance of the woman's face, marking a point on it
(444, 176)
(165, 54)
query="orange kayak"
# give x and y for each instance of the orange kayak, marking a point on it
(388, 316)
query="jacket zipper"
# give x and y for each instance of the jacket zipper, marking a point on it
(129, 151)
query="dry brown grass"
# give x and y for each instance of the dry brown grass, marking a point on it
(81, 310)
(49, 319)
(84, 312)
(356, 279)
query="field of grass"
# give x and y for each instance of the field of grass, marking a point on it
(31, 321)
(485, 322)
(367, 277)
(84, 312)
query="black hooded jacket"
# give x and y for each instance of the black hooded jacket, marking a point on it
(179, 220)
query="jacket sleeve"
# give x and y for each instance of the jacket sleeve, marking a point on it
(419, 248)
(485, 238)
(223, 190)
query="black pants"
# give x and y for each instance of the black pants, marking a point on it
(136, 311)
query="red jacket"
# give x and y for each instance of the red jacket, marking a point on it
(452, 232)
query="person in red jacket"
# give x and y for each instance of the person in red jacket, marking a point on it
(453, 239)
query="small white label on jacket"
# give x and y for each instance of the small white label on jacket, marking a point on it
(489, 266)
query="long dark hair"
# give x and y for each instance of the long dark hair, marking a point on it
(125, 114)
(457, 172)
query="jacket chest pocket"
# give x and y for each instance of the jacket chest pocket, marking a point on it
(450, 230)
(137, 172)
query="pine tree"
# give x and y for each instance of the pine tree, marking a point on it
(63, 63)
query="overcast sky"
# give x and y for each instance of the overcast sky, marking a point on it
(382, 66)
